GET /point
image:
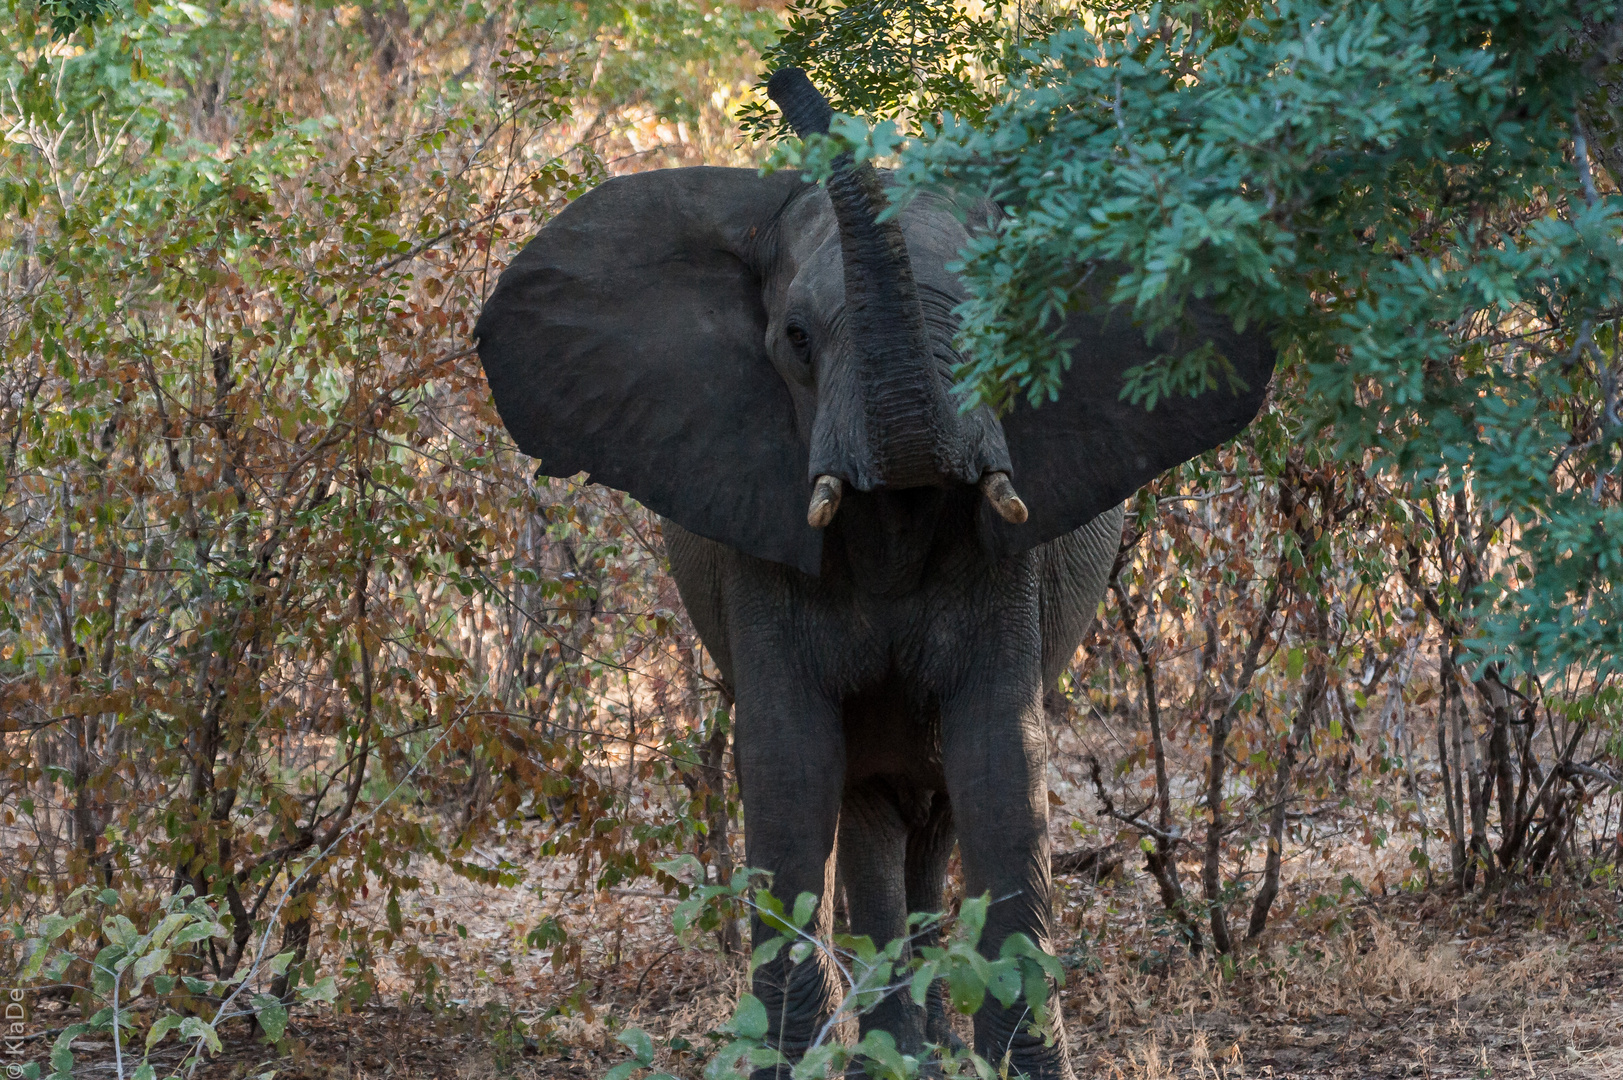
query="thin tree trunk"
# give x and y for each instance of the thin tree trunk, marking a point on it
(1212, 869)
(1312, 692)
(1451, 798)
(718, 823)
(1476, 788)
(1514, 842)
(708, 785)
(1406, 733)
(295, 938)
(1497, 697)
(1161, 859)
(296, 934)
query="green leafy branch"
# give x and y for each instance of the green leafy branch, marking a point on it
(869, 974)
(158, 962)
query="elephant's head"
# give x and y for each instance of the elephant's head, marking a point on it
(737, 352)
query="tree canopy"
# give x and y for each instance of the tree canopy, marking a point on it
(1405, 194)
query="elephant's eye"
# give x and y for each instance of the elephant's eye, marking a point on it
(797, 337)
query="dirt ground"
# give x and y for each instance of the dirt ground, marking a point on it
(1346, 983)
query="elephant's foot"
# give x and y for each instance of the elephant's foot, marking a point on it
(915, 1028)
(1008, 1034)
(799, 1000)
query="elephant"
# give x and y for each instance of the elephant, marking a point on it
(767, 364)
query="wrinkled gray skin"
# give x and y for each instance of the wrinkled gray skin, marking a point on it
(903, 682)
(712, 342)
(898, 720)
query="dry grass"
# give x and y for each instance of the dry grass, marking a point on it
(1345, 984)
(1425, 985)
(1404, 986)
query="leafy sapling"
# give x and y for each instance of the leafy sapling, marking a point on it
(869, 974)
(157, 963)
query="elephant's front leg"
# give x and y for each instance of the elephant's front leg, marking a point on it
(790, 751)
(994, 752)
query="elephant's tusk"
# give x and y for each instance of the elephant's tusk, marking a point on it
(999, 491)
(824, 501)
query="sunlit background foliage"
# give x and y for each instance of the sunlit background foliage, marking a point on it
(1419, 200)
(284, 617)
(277, 592)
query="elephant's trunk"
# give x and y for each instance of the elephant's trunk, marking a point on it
(907, 410)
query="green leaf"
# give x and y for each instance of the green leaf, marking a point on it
(919, 989)
(62, 1049)
(750, 1019)
(36, 960)
(146, 966)
(103, 967)
(683, 865)
(1034, 983)
(1019, 946)
(193, 1028)
(880, 1050)
(764, 1057)
(198, 931)
(1005, 982)
(324, 990)
(860, 946)
(685, 913)
(766, 951)
(272, 1016)
(57, 969)
(52, 927)
(637, 1041)
(163, 1026)
(120, 931)
(972, 917)
(770, 909)
(169, 924)
(805, 908)
(826, 1060)
(965, 989)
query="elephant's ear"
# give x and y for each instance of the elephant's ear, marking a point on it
(627, 340)
(1080, 455)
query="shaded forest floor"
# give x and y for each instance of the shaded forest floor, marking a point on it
(1345, 983)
